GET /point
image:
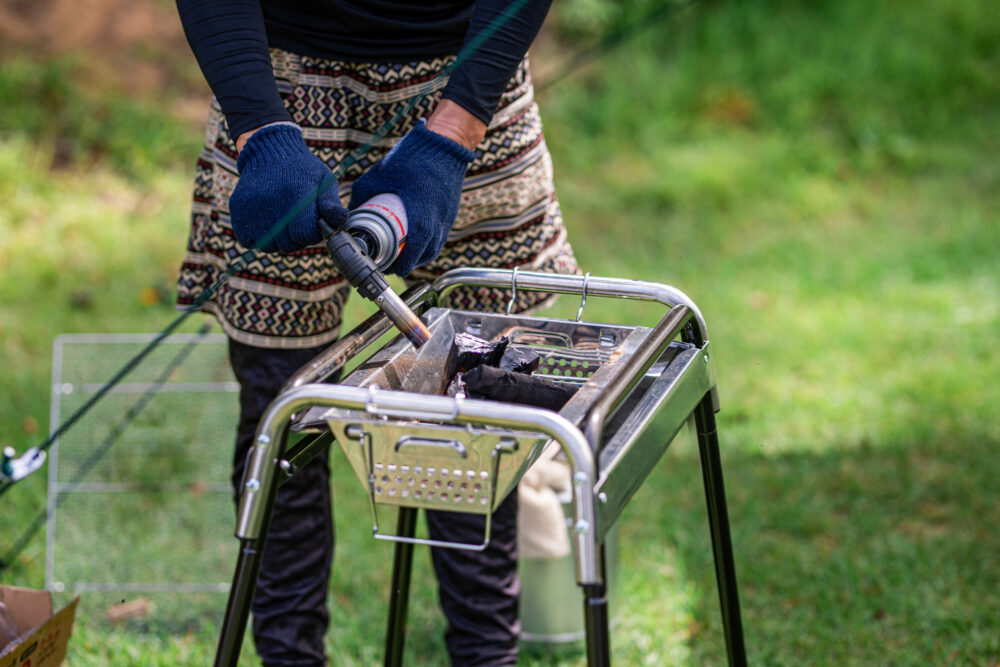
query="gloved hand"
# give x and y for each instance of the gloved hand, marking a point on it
(278, 175)
(426, 171)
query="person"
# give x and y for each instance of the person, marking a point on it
(303, 90)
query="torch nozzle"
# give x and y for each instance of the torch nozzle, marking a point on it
(361, 273)
(404, 318)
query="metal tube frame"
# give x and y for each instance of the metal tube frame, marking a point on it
(301, 392)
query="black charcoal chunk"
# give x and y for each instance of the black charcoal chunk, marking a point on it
(468, 351)
(519, 360)
(510, 387)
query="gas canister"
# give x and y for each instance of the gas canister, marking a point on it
(379, 228)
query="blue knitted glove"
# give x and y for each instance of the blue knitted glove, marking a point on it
(277, 175)
(426, 171)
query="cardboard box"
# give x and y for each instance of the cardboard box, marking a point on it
(44, 636)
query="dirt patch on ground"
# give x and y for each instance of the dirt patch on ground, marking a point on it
(135, 45)
(104, 28)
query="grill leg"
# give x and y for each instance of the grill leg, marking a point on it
(595, 619)
(234, 623)
(596, 626)
(395, 637)
(718, 520)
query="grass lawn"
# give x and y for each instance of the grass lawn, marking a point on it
(822, 178)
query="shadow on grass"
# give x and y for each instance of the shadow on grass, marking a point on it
(858, 555)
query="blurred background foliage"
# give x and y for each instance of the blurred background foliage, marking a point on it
(821, 176)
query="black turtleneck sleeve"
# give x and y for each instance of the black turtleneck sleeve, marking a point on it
(229, 41)
(499, 35)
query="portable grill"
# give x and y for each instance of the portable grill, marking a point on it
(413, 448)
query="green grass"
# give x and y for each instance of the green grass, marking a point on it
(820, 177)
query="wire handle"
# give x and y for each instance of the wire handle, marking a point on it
(513, 290)
(583, 296)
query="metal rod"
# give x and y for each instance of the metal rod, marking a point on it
(632, 371)
(302, 452)
(595, 621)
(402, 566)
(234, 623)
(718, 521)
(559, 283)
(251, 555)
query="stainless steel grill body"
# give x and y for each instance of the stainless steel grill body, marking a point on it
(413, 448)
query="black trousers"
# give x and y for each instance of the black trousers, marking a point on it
(478, 590)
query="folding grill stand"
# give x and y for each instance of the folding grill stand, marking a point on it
(656, 379)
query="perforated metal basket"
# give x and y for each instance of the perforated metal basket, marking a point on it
(429, 463)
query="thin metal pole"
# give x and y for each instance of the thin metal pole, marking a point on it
(238, 607)
(395, 637)
(718, 520)
(596, 623)
(234, 623)
(595, 620)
